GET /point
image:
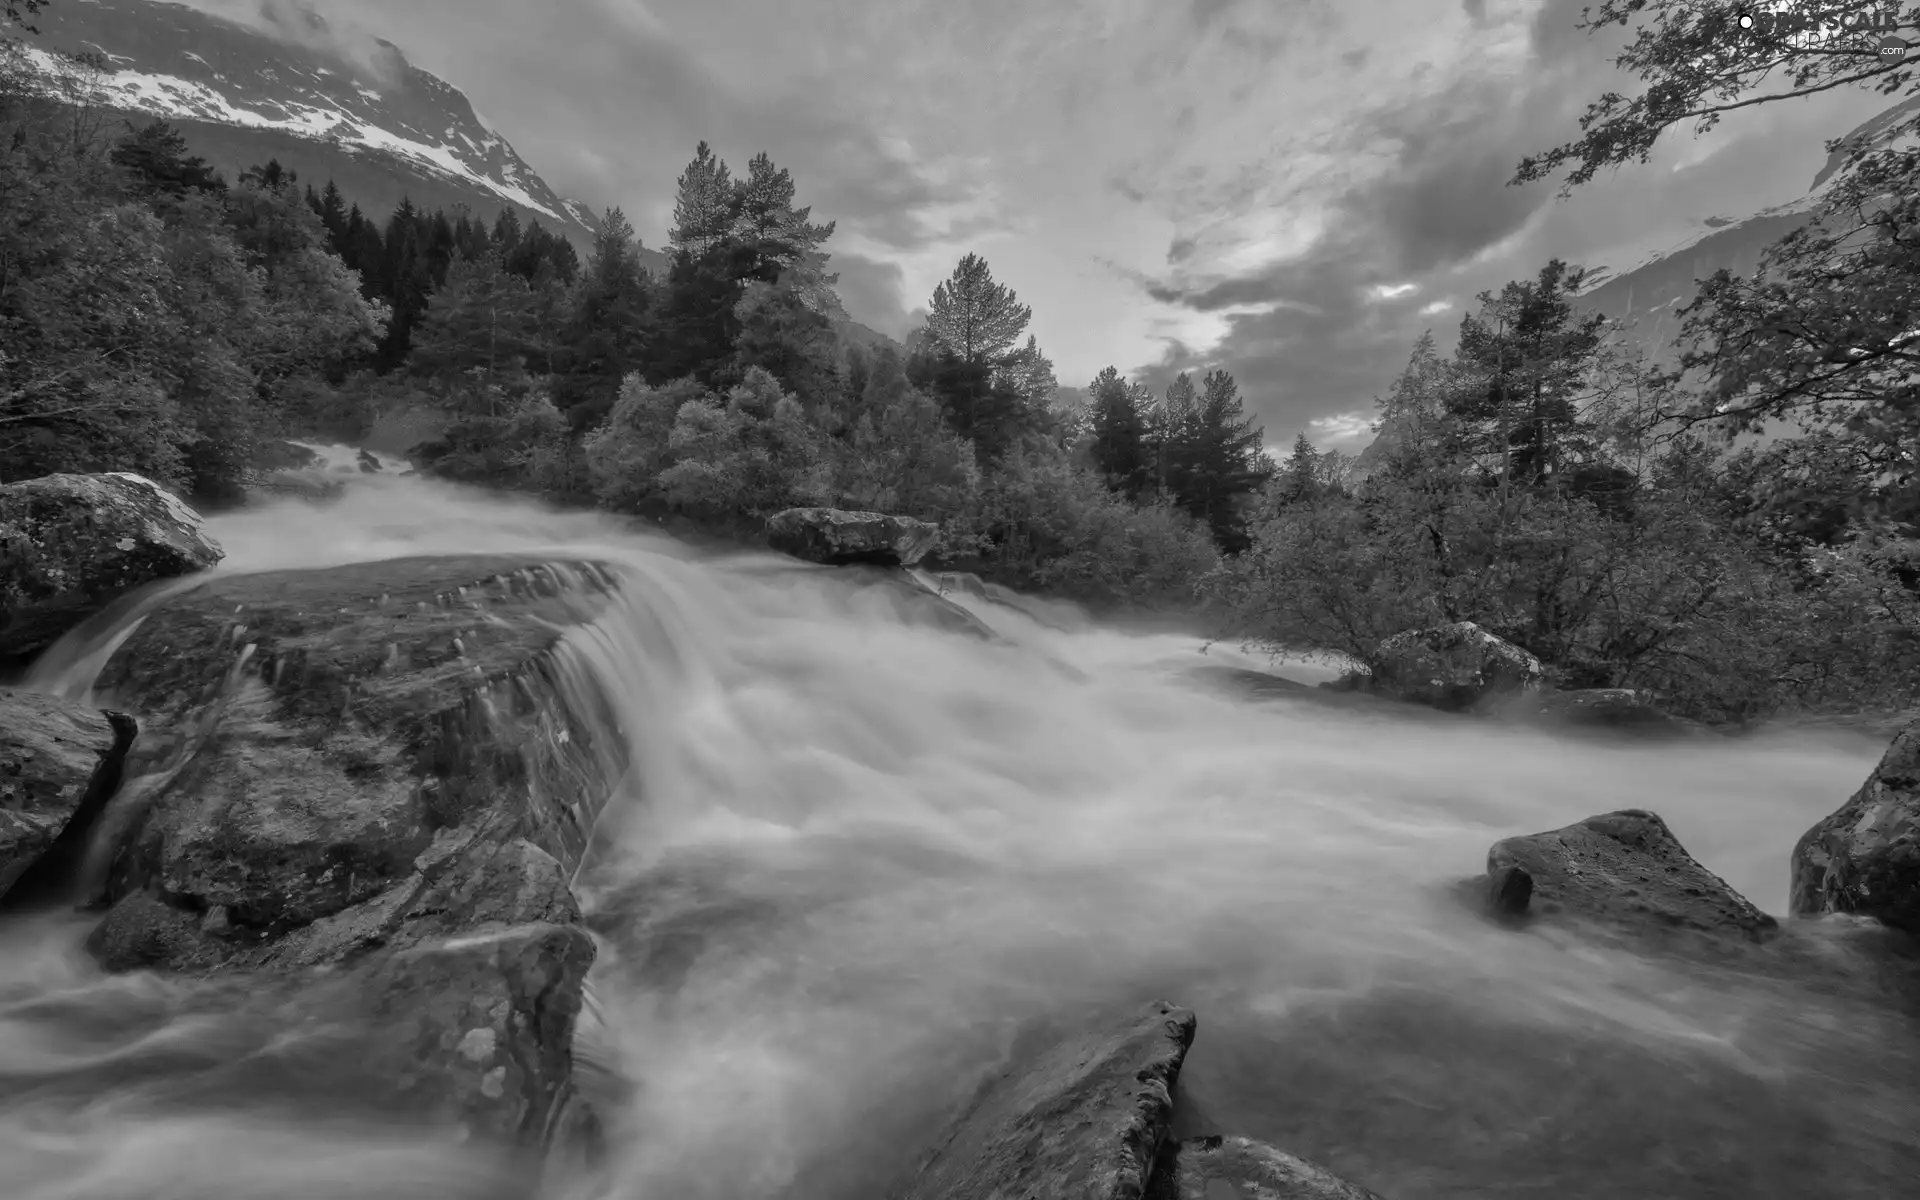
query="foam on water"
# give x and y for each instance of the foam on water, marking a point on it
(861, 853)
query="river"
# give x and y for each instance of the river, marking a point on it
(860, 854)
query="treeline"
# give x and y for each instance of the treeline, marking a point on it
(1607, 516)
(1544, 483)
(158, 318)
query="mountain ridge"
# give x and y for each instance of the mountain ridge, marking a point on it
(241, 95)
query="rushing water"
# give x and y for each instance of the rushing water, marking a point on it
(861, 853)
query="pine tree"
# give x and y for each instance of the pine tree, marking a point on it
(1030, 373)
(1170, 434)
(156, 155)
(1226, 460)
(975, 318)
(1534, 353)
(507, 233)
(1119, 446)
(482, 323)
(777, 235)
(612, 322)
(703, 211)
(333, 215)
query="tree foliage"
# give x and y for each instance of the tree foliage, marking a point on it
(976, 318)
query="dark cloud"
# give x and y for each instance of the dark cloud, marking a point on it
(1438, 217)
(874, 293)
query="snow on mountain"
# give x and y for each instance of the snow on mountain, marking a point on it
(207, 73)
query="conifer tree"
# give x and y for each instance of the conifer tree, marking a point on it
(482, 323)
(975, 318)
(776, 235)
(1119, 447)
(703, 210)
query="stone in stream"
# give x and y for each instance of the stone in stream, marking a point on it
(1083, 1119)
(72, 544)
(1453, 667)
(1864, 857)
(1224, 1168)
(838, 537)
(385, 773)
(59, 762)
(1624, 869)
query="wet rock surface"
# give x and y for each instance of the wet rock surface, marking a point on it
(1623, 869)
(1864, 858)
(59, 762)
(1453, 667)
(72, 544)
(1224, 1168)
(385, 774)
(839, 537)
(1083, 1117)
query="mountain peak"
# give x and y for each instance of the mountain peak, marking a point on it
(294, 81)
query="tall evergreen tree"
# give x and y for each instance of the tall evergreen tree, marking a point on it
(974, 317)
(1119, 444)
(1535, 352)
(1226, 461)
(157, 157)
(703, 211)
(611, 323)
(482, 324)
(777, 236)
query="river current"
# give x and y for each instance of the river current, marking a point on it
(859, 855)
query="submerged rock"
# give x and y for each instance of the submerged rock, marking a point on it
(1621, 868)
(71, 544)
(59, 762)
(364, 769)
(836, 537)
(1454, 667)
(1223, 1168)
(1864, 858)
(1084, 1118)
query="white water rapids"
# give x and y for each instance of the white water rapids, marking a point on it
(859, 854)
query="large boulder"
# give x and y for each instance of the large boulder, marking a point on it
(1457, 666)
(1083, 1118)
(387, 774)
(1218, 1168)
(1622, 869)
(59, 763)
(1864, 858)
(71, 544)
(837, 537)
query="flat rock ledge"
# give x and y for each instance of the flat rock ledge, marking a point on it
(369, 787)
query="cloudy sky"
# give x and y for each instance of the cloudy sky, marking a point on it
(1291, 189)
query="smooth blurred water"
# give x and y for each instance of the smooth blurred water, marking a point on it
(861, 852)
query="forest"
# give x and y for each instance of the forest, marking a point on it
(1593, 507)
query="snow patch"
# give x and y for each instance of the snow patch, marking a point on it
(174, 97)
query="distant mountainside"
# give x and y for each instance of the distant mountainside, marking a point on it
(380, 129)
(1647, 297)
